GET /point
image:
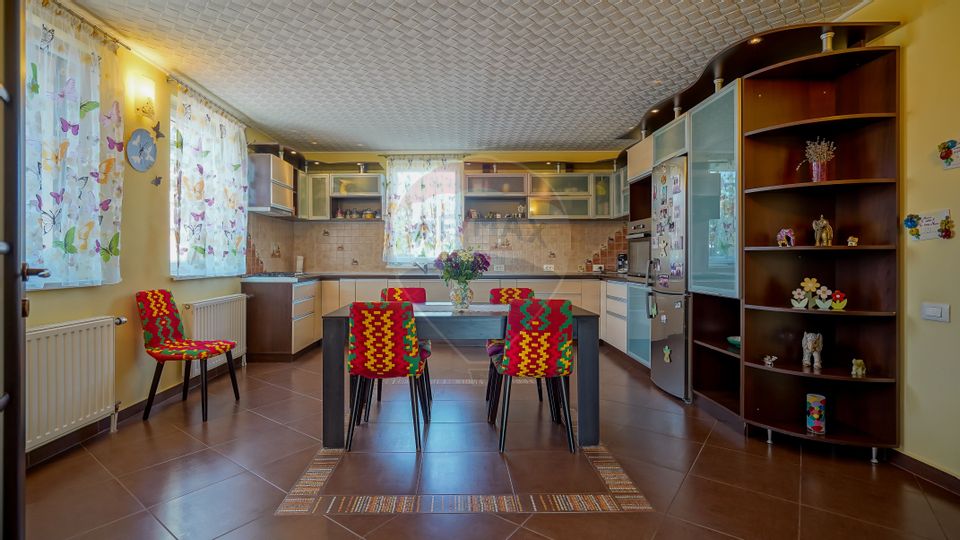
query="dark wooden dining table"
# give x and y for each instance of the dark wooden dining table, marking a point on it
(438, 321)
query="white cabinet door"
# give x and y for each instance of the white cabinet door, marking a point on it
(368, 290)
(329, 296)
(590, 295)
(318, 312)
(603, 310)
(348, 291)
(436, 290)
(617, 330)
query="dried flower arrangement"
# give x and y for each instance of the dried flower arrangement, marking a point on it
(819, 151)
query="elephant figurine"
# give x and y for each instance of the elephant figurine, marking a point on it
(822, 232)
(812, 346)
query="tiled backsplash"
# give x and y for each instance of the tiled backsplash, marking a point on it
(270, 244)
(520, 247)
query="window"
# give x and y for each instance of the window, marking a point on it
(208, 190)
(74, 152)
(424, 208)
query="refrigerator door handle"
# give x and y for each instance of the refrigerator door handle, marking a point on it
(651, 305)
(647, 279)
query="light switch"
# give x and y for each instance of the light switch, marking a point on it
(935, 312)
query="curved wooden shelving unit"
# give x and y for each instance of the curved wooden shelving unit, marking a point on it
(839, 120)
(820, 185)
(726, 349)
(827, 249)
(823, 312)
(847, 435)
(832, 374)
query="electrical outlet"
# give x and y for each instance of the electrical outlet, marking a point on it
(498, 268)
(548, 268)
(935, 312)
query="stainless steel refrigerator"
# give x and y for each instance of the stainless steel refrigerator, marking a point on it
(669, 364)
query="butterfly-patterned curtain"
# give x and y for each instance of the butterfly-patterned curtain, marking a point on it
(74, 152)
(424, 208)
(208, 190)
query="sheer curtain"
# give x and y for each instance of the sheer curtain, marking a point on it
(208, 190)
(74, 151)
(424, 208)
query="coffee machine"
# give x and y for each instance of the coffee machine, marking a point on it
(622, 263)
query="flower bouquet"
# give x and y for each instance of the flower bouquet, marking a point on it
(457, 269)
(817, 154)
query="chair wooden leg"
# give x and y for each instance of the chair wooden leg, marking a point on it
(186, 379)
(153, 389)
(354, 410)
(557, 401)
(369, 401)
(564, 396)
(379, 390)
(416, 413)
(539, 391)
(233, 375)
(505, 413)
(426, 381)
(203, 388)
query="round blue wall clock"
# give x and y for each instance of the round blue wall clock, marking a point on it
(141, 150)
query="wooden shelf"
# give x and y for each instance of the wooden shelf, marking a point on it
(822, 65)
(356, 220)
(828, 373)
(722, 348)
(836, 433)
(355, 196)
(834, 249)
(727, 400)
(823, 312)
(835, 121)
(821, 185)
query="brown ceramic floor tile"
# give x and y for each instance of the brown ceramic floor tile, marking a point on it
(290, 528)
(536, 436)
(556, 471)
(675, 425)
(889, 504)
(179, 476)
(581, 526)
(946, 506)
(243, 424)
(853, 462)
(74, 468)
(260, 369)
(386, 437)
(670, 452)
(297, 380)
(675, 529)
(658, 484)
(478, 437)
(362, 524)
(311, 425)
(734, 511)
(219, 508)
(266, 446)
(285, 471)
(444, 527)
(120, 458)
(290, 410)
(819, 525)
(764, 475)
(84, 507)
(527, 534)
(141, 526)
(783, 450)
(464, 473)
(374, 474)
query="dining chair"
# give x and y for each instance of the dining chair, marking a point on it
(504, 295)
(383, 345)
(164, 340)
(415, 295)
(539, 344)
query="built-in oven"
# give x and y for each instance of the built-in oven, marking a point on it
(638, 247)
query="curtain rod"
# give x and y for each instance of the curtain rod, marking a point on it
(84, 20)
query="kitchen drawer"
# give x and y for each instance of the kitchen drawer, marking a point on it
(304, 290)
(617, 331)
(616, 307)
(303, 332)
(617, 289)
(303, 307)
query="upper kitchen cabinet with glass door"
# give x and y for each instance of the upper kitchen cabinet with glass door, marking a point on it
(313, 196)
(603, 188)
(560, 196)
(713, 212)
(356, 196)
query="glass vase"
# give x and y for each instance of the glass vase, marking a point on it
(818, 171)
(461, 295)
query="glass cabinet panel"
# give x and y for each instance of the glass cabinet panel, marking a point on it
(559, 207)
(670, 140)
(356, 185)
(602, 195)
(303, 197)
(496, 185)
(319, 196)
(560, 184)
(713, 244)
(638, 323)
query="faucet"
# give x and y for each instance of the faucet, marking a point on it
(424, 267)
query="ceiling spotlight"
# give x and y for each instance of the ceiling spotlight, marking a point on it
(359, 144)
(548, 163)
(313, 142)
(657, 82)
(293, 151)
(754, 41)
(316, 162)
(654, 111)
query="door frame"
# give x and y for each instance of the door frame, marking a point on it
(13, 439)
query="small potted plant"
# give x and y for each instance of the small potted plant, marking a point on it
(457, 269)
(818, 154)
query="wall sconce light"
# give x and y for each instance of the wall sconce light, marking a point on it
(145, 97)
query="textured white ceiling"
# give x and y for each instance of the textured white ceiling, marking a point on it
(447, 74)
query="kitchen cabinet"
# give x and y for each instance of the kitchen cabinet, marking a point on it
(713, 208)
(603, 310)
(603, 187)
(271, 185)
(283, 318)
(348, 291)
(313, 196)
(356, 185)
(368, 290)
(590, 295)
(616, 315)
(495, 185)
(565, 184)
(638, 323)
(620, 193)
(303, 315)
(639, 159)
(330, 296)
(559, 207)
(670, 140)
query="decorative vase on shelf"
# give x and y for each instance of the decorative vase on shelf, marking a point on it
(816, 407)
(818, 171)
(460, 296)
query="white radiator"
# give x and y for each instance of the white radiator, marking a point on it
(224, 317)
(70, 378)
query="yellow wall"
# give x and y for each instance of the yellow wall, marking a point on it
(930, 84)
(144, 263)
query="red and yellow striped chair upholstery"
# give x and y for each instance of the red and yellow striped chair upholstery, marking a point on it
(503, 296)
(383, 340)
(416, 295)
(539, 339)
(163, 330)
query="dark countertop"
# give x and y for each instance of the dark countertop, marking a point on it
(331, 276)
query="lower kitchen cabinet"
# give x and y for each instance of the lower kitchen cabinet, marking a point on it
(615, 315)
(638, 323)
(282, 319)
